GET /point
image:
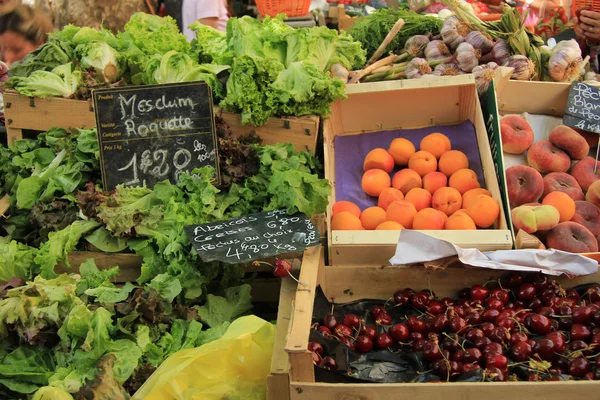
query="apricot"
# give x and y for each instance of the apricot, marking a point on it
(451, 161)
(379, 159)
(563, 203)
(444, 216)
(436, 143)
(401, 150)
(343, 205)
(422, 162)
(464, 180)
(387, 196)
(402, 212)
(433, 181)
(406, 179)
(421, 198)
(469, 195)
(447, 200)
(428, 219)
(389, 226)
(371, 217)
(460, 221)
(484, 211)
(374, 181)
(345, 221)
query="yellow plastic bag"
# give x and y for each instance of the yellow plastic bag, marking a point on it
(234, 367)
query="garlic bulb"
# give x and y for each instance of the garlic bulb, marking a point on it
(417, 67)
(480, 41)
(466, 57)
(484, 75)
(523, 67)
(436, 50)
(454, 32)
(447, 69)
(415, 46)
(499, 53)
(565, 62)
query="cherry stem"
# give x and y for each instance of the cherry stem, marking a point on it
(300, 283)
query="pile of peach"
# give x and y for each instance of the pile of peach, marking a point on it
(436, 190)
(552, 198)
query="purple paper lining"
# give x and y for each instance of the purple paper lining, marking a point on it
(351, 150)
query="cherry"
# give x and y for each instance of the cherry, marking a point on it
(596, 318)
(498, 361)
(435, 307)
(375, 310)
(580, 332)
(431, 351)
(479, 292)
(500, 335)
(559, 341)
(539, 324)
(348, 343)
(433, 336)
(414, 336)
(506, 313)
(328, 363)
(324, 331)
(342, 331)
(420, 300)
(457, 324)
(492, 349)
(399, 332)
(541, 282)
(518, 337)
(561, 363)
(418, 345)
(572, 294)
(469, 367)
(429, 293)
(564, 310)
(446, 369)
(315, 347)
(447, 302)
(556, 378)
(330, 322)
(588, 377)
(472, 355)
(545, 349)
(495, 375)
(515, 280)
(535, 304)
(369, 331)
(473, 318)
(316, 358)
(597, 373)
(473, 334)
(593, 294)
(494, 303)
(500, 294)
(352, 321)
(482, 342)
(401, 297)
(464, 293)
(520, 351)
(579, 367)
(490, 315)
(582, 314)
(384, 341)
(534, 378)
(577, 345)
(440, 323)
(363, 344)
(546, 311)
(507, 323)
(459, 356)
(595, 340)
(383, 318)
(415, 324)
(451, 343)
(487, 328)
(526, 292)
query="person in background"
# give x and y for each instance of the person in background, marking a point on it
(587, 31)
(213, 13)
(537, 9)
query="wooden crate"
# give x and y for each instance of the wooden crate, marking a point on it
(35, 114)
(346, 283)
(408, 104)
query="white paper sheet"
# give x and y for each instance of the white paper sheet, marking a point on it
(416, 247)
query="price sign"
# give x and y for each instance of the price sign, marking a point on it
(583, 108)
(152, 133)
(253, 237)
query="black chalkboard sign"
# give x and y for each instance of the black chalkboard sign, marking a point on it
(583, 108)
(253, 237)
(151, 133)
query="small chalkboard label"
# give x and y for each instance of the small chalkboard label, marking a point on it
(253, 237)
(152, 133)
(583, 108)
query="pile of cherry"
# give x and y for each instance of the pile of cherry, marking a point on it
(526, 327)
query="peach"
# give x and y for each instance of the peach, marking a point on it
(562, 182)
(447, 200)
(428, 219)
(379, 159)
(583, 172)
(535, 218)
(546, 157)
(422, 162)
(451, 161)
(374, 181)
(572, 237)
(484, 211)
(593, 193)
(588, 215)
(469, 195)
(517, 135)
(524, 185)
(389, 195)
(459, 221)
(421, 198)
(345, 221)
(464, 180)
(563, 203)
(570, 141)
(436, 144)
(389, 226)
(340, 206)
(402, 212)
(433, 181)
(401, 150)
(371, 217)
(406, 179)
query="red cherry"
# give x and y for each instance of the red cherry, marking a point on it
(440, 323)
(507, 323)
(494, 303)
(375, 310)
(420, 300)
(435, 307)
(479, 292)
(515, 280)
(282, 269)
(473, 334)
(431, 351)
(539, 324)
(498, 361)
(399, 332)
(363, 344)
(418, 345)
(401, 298)
(330, 322)
(369, 331)
(482, 342)
(451, 343)
(580, 332)
(526, 292)
(328, 363)
(324, 331)
(500, 294)
(414, 324)
(342, 331)
(469, 367)
(521, 351)
(384, 341)
(351, 321)
(518, 337)
(383, 318)
(559, 341)
(414, 336)
(545, 349)
(473, 318)
(487, 328)
(500, 335)
(492, 349)
(579, 367)
(495, 375)
(457, 324)
(459, 356)
(316, 358)
(490, 315)
(582, 314)
(472, 355)
(348, 343)
(315, 347)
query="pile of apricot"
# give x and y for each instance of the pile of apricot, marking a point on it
(434, 190)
